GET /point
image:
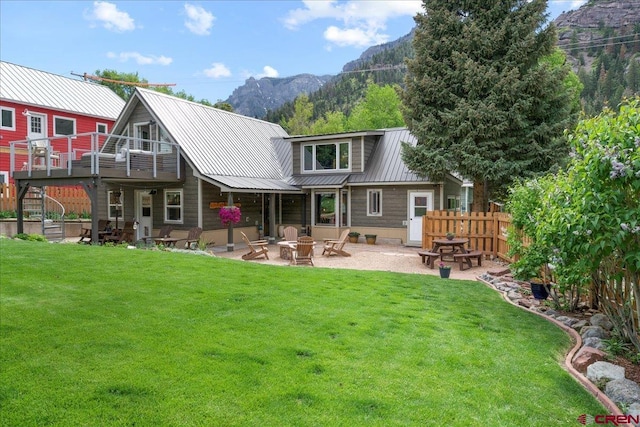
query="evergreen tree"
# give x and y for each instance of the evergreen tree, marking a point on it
(478, 97)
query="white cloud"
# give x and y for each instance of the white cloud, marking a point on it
(140, 59)
(358, 37)
(199, 21)
(268, 72)
(363, 22)
(110, 17)
(217, 70)
(577, 3)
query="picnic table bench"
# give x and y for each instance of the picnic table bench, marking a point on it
(465, 259)
(433, 256)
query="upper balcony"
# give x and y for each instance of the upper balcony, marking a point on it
(109, 156)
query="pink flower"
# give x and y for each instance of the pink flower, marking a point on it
(229, 215)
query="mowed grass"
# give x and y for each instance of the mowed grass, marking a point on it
(99, 336)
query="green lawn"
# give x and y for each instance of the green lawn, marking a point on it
(106, 336)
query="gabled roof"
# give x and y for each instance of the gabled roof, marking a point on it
(385, 164)
(229, 149)
(38, 88)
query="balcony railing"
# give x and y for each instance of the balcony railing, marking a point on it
(106, 151)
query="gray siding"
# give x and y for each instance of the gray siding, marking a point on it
(394, 205)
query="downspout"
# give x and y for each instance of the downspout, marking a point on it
(200, 210)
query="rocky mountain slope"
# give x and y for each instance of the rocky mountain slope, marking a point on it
(608, 26)
(256, 97)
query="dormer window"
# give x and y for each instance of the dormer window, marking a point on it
(326, 157)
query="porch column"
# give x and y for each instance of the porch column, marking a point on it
(230, 244)
(272, 219)
(303, 220)
(92, 193)
(21, 192)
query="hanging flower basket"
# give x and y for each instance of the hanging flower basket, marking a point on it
(230, 215)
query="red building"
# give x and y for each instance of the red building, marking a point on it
(36, 105)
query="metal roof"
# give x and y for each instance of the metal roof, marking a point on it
(230, 148)
(38, 88)
(251, 184)
(319, 180)
(385, 164)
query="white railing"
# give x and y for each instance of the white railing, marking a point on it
(105, 150)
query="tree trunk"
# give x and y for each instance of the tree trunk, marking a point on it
(479, 202)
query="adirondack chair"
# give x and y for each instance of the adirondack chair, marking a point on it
(257, 248)
(303, 252)
(126, 234)
(104, 228)
(333, 246)
(191, 242)
(165, 231)
(290, 234)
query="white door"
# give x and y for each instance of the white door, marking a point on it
(144, 213)
(36, 126)
(419, 203)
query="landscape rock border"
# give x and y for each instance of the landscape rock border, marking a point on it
(513, 292)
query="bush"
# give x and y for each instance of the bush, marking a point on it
(30, 237)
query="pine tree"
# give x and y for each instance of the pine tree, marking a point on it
(478, 97)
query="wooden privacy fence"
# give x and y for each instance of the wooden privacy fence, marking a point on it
(74, 199)
(486, 231)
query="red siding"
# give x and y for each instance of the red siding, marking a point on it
(84, 124)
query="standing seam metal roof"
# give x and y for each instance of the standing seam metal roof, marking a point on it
(38, 88)
(219, 143)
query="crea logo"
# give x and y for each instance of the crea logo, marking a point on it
(616, 420)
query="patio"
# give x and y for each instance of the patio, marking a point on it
(381, 256)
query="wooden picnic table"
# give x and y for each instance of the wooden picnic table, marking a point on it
(452, 247)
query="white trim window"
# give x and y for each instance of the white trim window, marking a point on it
(63, 126)
(173, 206)
(326, 157)
(325, 205)
(8, 119)
(374, 202)
(115, 204)
(102, 128)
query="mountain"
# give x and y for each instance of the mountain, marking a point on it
(256, 97)
(601, 40)
(602, 43)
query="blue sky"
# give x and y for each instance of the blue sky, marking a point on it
(207, 48)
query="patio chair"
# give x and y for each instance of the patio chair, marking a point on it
(290, 234)
(257, 248)
(165, 231)
(333, 246)
(303, 252)
(191, 242)
(104, 226)
(126, 234)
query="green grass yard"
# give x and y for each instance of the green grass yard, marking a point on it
(99, 336)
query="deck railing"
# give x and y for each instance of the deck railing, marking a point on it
(105, 150)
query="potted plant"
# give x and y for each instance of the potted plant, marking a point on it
(353, 236)
(450, 236)
(445, 270)
(371, 239)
